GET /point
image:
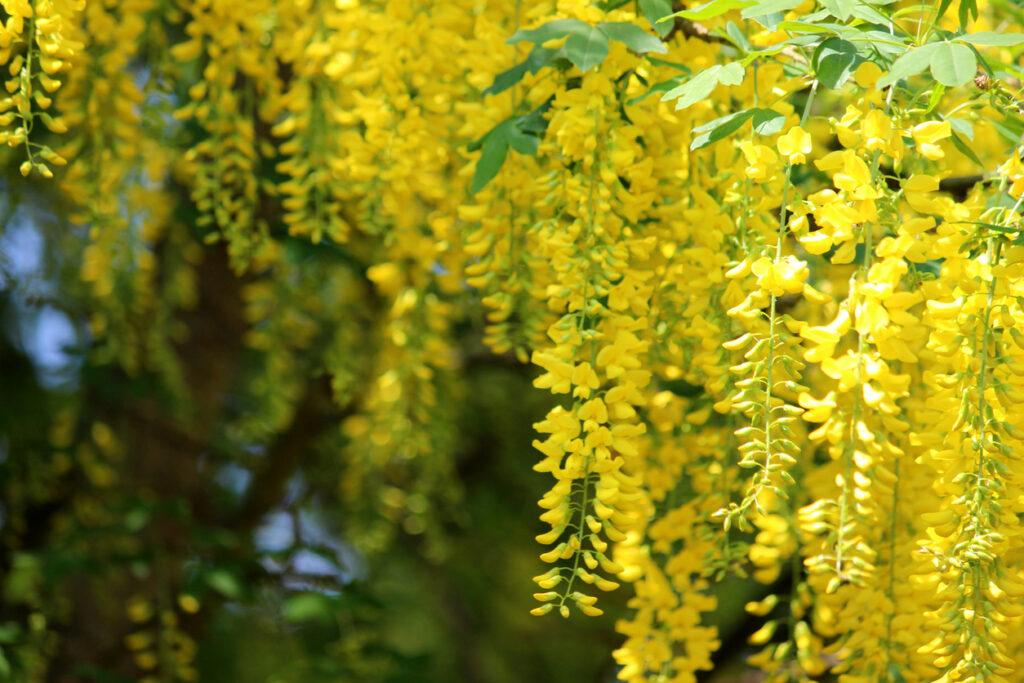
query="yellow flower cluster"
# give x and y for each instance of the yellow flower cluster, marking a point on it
(781, 317)
(112, 184)
(37, 44)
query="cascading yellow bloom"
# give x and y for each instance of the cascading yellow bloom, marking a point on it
(775, 301)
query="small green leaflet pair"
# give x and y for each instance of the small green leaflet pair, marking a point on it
(834, 61)
(952, 62)
(766, 122)
(521, 133)
(585, 47)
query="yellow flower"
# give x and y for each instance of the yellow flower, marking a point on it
(866, 74)
(848, 135)
(1013, 169)
(780, 277)
(917, 189)
(795, 145)
(815, 410)
(926, 136)
(761, 161)
(878, 132)
(855, 178)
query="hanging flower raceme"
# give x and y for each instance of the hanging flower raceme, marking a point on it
(767, 272)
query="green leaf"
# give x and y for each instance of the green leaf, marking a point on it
(943, 6)
(869, 14)
(765, 7)
(653, 11)
(720, 128)
(909, 64)
(520, 141)
(672, 65)
(1009, 128)
(834, 61)
(10, 632)
(731, 74)
(742, 115)
(962, 126)
(808, 27)
(663, 86)
(737, 36)
(768, 122)
(992, 226)
(695, 89)
(225, 583)
(982, 62)
(534, 122)
(935, 98)
(711, 9)
(878, 41)
(477, 144)
(635, 38)
(506, 79)
(953, 64)
(965, 149)
(307, 607)
(491, 161)
(991, 38)
(1002, 200)
(967, 7)
(701, 85)
(559, 28)
(538, 58)
(587, 50)
(840, 9)
(777, 48)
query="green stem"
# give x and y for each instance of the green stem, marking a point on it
(593, 359)
(992, 254)
(891, 592)
(579, 533)
(851, 448)
(771, 313)
(28, 118)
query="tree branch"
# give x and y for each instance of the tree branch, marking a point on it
(691, 29)
(959, 186)
(314, 413)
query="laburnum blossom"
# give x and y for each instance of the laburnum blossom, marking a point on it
(785, 276)
(928, 134)
(814, 375)
(878, 133)
(1013, 170)
(795, 145)
(919, 191)
(761, 161)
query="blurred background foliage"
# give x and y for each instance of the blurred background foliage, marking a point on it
(111, 574)
(197, 478)
(290, 599)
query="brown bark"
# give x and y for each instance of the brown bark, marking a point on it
(162, 465)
